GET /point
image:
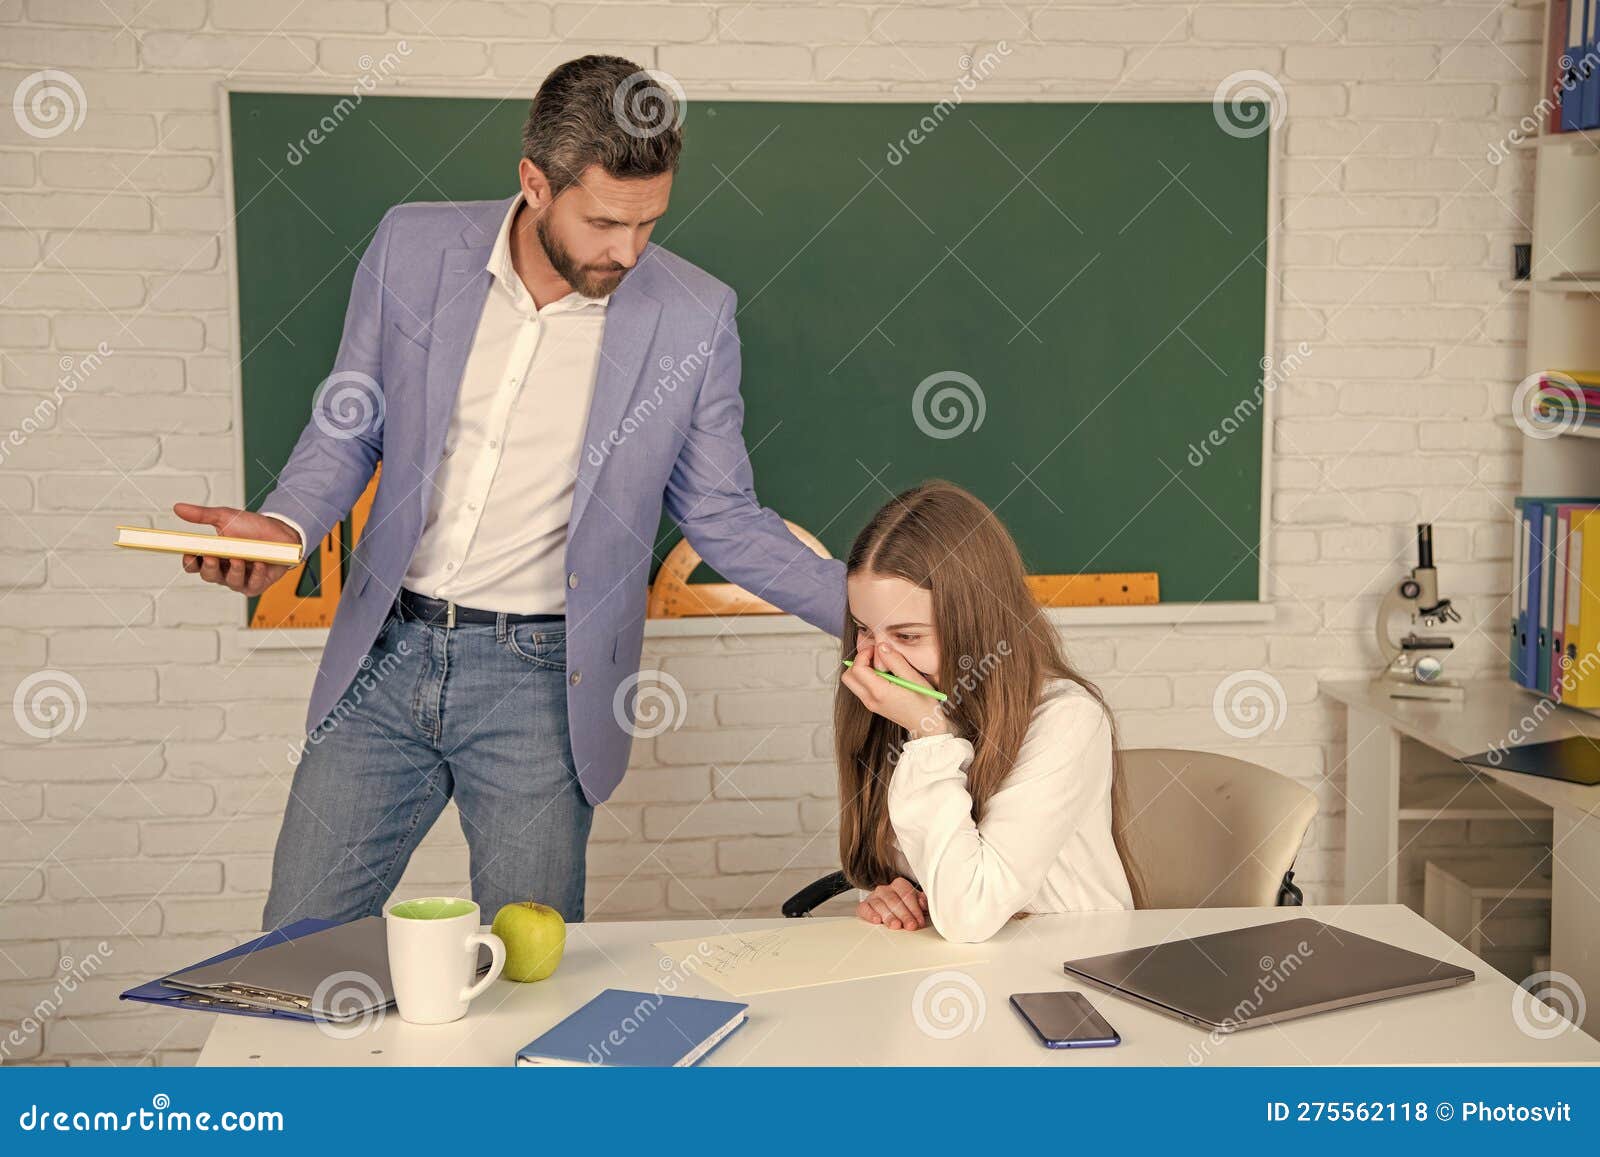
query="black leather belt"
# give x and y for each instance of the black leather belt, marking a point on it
(442, 613)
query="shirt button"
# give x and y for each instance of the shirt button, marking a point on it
(572, 580)
(494, 445)
(472, 506)
(576, 677)
(449, 566)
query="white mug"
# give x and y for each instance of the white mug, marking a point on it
(433, 957)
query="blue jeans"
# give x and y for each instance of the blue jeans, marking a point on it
(477, 712)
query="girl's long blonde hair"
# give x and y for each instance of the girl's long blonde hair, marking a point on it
(997, 650)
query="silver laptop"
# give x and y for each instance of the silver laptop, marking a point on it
(337, 974)
(1264, 974)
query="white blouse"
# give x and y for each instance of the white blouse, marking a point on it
(1044, 844)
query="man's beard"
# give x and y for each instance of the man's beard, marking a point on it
(589, 282)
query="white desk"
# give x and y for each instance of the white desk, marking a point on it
(871, 1022)
(1494, 712)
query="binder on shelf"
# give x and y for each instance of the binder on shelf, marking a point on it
(1581, 678)
(1574, 83)
(1557, 17)
(1563, 586)
(1518, 649)
(1589, 75)
(1541, 649)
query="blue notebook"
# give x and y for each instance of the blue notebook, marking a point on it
(641, 1029)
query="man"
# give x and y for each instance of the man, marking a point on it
(537, 379)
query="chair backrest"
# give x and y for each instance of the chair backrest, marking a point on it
(1210, 831)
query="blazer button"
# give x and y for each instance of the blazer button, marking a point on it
(576, 677)
(572, 580)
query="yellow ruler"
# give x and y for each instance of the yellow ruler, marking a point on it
(1136, 588)
(281, 604)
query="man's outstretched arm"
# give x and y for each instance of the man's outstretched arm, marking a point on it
(711, 495)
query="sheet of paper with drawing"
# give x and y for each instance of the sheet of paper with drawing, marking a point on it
(802, 953)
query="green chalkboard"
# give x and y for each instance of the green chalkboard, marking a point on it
(1057, 305)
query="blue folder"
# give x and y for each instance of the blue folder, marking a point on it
(158, 992)
(1574, 82)
(1591, 74)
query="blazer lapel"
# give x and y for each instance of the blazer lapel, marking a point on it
(631, 317)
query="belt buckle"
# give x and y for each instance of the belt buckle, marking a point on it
(449, 614)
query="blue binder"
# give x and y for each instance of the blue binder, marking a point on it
(157, 992)
(1574, 84)
(1533, 515)
(1590, 74)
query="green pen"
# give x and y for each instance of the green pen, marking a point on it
(906, 683)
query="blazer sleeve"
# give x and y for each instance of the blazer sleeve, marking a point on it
(334, 458)
(978, 875)
(711, 496)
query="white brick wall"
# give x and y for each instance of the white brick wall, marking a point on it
(150, 828)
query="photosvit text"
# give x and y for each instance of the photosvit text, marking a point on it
(1415, 1112)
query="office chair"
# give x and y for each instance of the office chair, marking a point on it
(1202, 831)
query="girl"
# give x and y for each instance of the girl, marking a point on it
(999, 800)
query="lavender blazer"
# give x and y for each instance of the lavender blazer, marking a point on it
(665, 425)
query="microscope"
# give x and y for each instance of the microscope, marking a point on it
(1415, 662)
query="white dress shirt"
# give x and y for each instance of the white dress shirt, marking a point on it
(496, 532)
(1044, 843)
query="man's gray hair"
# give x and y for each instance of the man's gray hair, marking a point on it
(606, 111)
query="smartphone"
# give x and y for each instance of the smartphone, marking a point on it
(1065, 1020)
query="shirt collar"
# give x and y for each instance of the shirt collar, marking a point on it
(505, 274)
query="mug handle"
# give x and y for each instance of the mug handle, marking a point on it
(497, 950)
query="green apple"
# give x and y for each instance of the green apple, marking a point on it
(535, 935)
